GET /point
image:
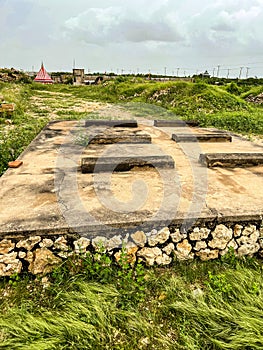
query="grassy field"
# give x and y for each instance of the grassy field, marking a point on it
(88, 304)
(95, 304)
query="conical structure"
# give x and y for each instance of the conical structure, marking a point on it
(43, 76)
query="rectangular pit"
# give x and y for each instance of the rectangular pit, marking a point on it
(175, 123)
(112, 123)
(209, 137)
(120, 164)
(231, 160)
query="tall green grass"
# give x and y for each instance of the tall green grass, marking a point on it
(191, 305)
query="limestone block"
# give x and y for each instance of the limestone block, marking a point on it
(177, 236)
(61, 244)
(13, 267)
(163, 260)
(161, 237)
(248, 249)
(81, 245)
(115, 242)
(238, 230)
(149, 255)
(28, 243)
(249, 230)
(46, 243)
(183, 250)
(169, 249)
(22, 255)
(200, 245)
(29, 257)
(207, 254)
(8, 258)
(6, 246)
(130, 255)
(199, 233)
(99, 243)
(221, 237)
(139, 238)
(44, 261)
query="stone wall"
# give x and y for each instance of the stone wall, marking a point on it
(40, 254)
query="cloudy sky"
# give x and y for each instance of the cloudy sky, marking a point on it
(176, 36)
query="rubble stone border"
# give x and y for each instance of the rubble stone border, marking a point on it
(41, 254)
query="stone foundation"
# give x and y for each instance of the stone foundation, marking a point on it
(40, 254)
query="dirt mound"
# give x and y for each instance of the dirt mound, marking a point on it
(12, 75)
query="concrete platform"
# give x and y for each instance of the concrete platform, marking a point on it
(209, 137)
(112, 123)
(49, 195)
(118, 135)
(175, 123)
(232, 160)
(120, 164)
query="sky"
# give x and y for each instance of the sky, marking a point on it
(173, 37)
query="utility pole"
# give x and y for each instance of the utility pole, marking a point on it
(165, 69)
(240, 73)
(177, 73)
(217, 74)
(247, 68)
(227, 73)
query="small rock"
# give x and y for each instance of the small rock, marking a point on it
(45, 282)
(114, 242)
(44, 261)
(232, 244)
(61, 244)
(168, 249)
(238, 230)
(99, 243)
(221, 237)
(183, 250)
(130, 255)
(8, 270)
(163, 260)
(29, 257)
(8, 258)
(46, 243)
(177, 236)
(248, 249)
(197, 293)
(6, 246)
(21, 255)
(207, 254)
(81, 245)
(160, 237)
(200, 245)
(29, 243)
(139, 238)
(249, 230)
(199, 233)
(150, 254)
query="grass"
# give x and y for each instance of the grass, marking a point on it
(191, 305)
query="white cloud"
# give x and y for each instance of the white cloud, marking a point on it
(117, 24)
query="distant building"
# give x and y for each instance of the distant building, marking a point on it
(43, 76)
(206, 74)
(78, 76)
